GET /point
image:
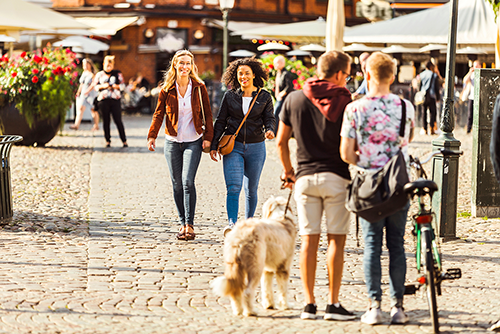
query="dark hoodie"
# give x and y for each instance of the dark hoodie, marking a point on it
(315, 115)
(329, 98)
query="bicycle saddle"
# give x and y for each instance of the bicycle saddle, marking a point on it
(420, 187)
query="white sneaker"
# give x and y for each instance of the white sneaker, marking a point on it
(423, 131)
(398, 316)
(228, 229)
(372, 317)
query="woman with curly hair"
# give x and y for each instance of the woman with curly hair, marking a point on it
(243, 166)
(182, 100)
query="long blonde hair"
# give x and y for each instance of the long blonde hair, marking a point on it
(92, 66)
(171, 74)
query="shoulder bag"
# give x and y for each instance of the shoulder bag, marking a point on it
(206, 149)
(374, 195)
(226, 142)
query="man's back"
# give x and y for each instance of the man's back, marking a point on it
(318, 139)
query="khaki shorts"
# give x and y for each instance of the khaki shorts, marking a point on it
(318, 193)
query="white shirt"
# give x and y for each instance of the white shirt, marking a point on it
(186, 131)
(246, 104)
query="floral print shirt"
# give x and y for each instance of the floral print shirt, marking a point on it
(374, 122)
(110, 93)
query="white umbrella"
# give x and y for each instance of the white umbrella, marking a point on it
(86, 45)
(360, 48)
(335, 23)
(241, 54)
(313, 47)
(473, 50)
(272, 46)
(22, 15)
(297, 32)
(399, 49)
(298, 53)
(433, 47)
(4, 38)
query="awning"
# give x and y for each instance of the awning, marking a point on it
(237, 26)
(107, 25)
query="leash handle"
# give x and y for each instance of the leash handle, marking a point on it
(287, 203)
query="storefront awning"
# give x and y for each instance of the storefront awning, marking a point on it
(107, 25)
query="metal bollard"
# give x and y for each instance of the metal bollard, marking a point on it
(6, 211)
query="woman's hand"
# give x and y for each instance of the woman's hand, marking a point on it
(214, 155)
(269, 134)
(151, 144)
(205, 144)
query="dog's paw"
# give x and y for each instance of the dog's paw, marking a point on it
(249, 314)
(267, 305)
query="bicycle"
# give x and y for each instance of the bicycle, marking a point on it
(428, 255)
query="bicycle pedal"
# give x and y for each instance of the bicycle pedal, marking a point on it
(453, 273)
(411, 289)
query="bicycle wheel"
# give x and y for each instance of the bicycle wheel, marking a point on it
(428, 264)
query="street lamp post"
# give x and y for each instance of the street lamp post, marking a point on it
(445, 169)
(225, 7)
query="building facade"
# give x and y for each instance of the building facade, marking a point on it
(162, 27)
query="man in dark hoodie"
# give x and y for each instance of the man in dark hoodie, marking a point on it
(315, 117)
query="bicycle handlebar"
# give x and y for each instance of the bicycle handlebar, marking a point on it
(417, 164)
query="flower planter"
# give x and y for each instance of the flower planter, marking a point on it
(42, 131)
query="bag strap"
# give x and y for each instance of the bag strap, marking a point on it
(201, 103)
(357, 231)
(403, 118)
(248, 112)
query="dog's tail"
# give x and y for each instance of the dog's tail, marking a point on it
(233, 281)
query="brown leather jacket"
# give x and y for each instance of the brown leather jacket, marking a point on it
(168, 105)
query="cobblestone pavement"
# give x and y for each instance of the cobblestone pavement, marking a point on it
(92, 249)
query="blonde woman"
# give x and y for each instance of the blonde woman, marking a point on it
(109, 84)
(85, 95)
(179, 101)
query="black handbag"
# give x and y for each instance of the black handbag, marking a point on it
(374, 195)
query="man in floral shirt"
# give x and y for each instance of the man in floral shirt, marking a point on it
(370, 138)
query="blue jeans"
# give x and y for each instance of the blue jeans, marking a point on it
(243, 166)
(394, 236)
(183, 160)
(277, 109)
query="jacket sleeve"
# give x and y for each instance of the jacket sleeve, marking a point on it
(220, 122)
(209, 123)
(268, 114)
(495, 139)
(158, 115)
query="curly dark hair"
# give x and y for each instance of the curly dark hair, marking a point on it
(230, 77)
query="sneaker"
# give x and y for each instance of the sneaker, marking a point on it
(372, 317)
(423, 131)
(309, 312)
(228, 229)
(338, 313)
(398, 316)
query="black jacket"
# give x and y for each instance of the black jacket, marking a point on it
(260, 119)
(285, 82)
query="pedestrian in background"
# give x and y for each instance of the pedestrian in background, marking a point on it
(363, 88)
(109, 84)
(429, 82)
(283, 86)
(243, 166)
(314, 115)
(370, 138)
(469, 89)
(85, 95)
(179, 100)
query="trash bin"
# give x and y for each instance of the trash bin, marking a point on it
(6, 142)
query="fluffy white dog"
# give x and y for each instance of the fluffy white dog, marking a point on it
(258, 248)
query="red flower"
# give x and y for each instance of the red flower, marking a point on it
(23, 54)
(71, 82)
(37, 59)
(35, 71)
(45, 60)
(20, 91)
(51, 78)
(271, 66)
(68, 50)
(35, 79)
(14, 74)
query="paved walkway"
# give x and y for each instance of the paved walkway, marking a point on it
(92, 249)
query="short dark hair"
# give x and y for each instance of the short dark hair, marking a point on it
(230, 77)
(332, 62)
(429, 65)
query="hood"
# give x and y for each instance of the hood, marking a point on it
(329, 98)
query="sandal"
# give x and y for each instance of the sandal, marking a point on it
(190, 234)
(108, 144)
(182, 234)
